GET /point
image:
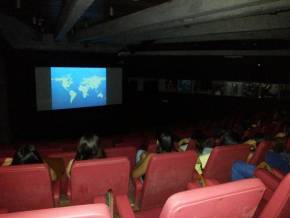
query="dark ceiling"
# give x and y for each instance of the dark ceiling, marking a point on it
(177, 25)
(45, 13)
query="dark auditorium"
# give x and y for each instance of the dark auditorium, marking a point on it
(144, 108)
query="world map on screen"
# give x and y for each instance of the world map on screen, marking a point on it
(78, 87)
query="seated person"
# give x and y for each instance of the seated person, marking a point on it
(196, 135)
(89, 148)
(206, 149)
(164, 145)
(27, 154)
(275, 158)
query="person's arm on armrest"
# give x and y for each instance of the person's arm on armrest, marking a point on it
(141, 168)
(68, 168)
(7, 162)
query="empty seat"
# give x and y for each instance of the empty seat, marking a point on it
(233, 199)
(221, 159)
(128, 152)
(83, 211)
(93, 178)
(166, 174)
(25, 187)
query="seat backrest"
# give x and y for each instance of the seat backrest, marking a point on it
(279, 204)
(152, 148)
(233, 199)
(7, 153)
(191, 145)
(92, 178)
(260, 153)
(128, 152)
(166, 174)
(25, 187)
(83, 211)
(221, 159)
(127, 144)
(45, 152)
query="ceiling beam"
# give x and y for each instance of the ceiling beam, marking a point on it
(72, 12)
(178, 13)
(230, 53)
(260, 26)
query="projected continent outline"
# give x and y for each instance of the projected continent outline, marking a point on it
(66, 81)
(91, 83)
(78, 87)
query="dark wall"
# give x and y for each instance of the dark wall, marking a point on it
(26, 121)
(139, 109)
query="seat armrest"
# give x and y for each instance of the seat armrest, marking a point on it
(279, 174)
(56, 192)
(68, 191)
(138, 184)
(270, 181)
(138, 190)
(124, 207)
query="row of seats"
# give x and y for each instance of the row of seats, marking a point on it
(235, 199)
(217, 170)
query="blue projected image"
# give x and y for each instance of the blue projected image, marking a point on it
(73, 87)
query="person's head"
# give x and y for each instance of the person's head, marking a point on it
(217, 138)
(198, 135)
(278, 147)
(26, 154)
(230, 138)
(259, 137)
(88, 148)
(165, 142)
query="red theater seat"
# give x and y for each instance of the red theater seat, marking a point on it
(279, 204)
(191, 145)
(221, 159)
(166, 174)
(128, 152)
(92, 179)
(152, 148)
(25, 187)
(234, 199)
(83, 211)
(7, 153)
(260, 153)
(270, 179)
(45, 152)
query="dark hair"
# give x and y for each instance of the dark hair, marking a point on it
(89, 148)
(230, 138)
(278, 147)
(165, 140)
(26, 154)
